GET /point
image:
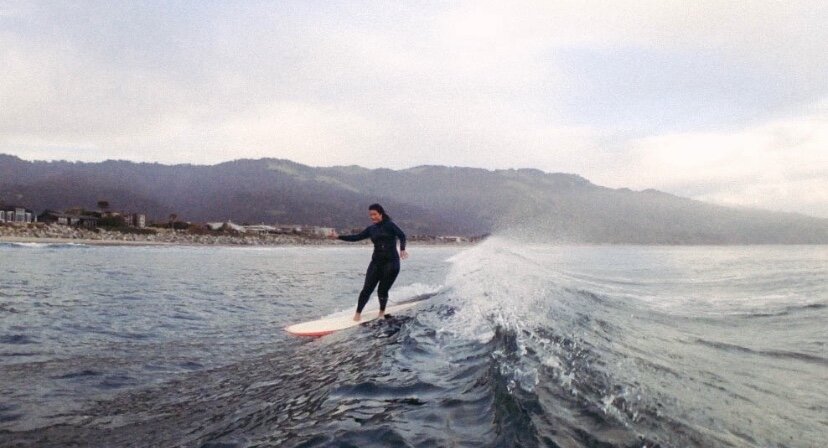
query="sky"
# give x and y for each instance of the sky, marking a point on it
(722, 101)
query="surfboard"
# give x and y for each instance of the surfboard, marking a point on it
(328, 325)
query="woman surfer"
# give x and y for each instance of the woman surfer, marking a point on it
(385, 262)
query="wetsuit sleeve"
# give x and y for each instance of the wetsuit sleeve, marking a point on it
(400, 235)
(358, 237)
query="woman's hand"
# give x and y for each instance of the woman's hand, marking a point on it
(403, 254)
(333, 235)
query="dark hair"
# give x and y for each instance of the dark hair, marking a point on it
(378, 208)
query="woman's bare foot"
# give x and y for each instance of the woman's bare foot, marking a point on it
(381, 313)
(356, 317)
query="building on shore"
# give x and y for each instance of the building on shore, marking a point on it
(264, 229)
(138, 220)
(278, 229)
(225, 226)
(260, 229)
(443, 238)
(129, 219)
(288, 228)
(69, 219)
(452, 239)
(319, 231)
(18, 215)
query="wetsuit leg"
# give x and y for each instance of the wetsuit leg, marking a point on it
(389, 271)
(372, 277)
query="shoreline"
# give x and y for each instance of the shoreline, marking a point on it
(56, 234)
(106, 242)
(91, 242)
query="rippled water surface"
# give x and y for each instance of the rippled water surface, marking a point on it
(514, 345)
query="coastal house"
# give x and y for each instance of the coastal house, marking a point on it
(138, 220)
(260, 228)
(69, 219)
(307, 230)
(114, 217)
(79, 211)
(453, 239)
(288, 228)
(319, 231)
(229, 225)
(19, 215)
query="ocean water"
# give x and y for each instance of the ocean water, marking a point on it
(513, 345)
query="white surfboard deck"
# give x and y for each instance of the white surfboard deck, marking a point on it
(328, 325)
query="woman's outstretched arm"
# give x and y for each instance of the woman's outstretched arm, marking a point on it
(358, 237)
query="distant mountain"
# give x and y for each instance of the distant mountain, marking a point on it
(424, 200)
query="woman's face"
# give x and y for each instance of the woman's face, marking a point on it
(375, 216)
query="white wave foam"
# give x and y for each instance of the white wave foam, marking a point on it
(495, 285)
(499, 285)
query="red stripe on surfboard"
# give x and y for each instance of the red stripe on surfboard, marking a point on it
(314, 334)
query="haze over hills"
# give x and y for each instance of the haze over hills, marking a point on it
(542, 206)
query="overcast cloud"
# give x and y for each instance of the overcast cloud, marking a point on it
(721, 101)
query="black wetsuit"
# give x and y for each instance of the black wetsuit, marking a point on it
(385, 263)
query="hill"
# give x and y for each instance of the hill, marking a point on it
(424, 200)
